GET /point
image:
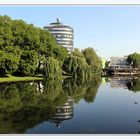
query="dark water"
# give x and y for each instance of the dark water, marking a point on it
(100, 106)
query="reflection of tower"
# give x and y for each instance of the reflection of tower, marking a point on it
(63, 113)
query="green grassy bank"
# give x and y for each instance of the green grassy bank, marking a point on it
(10, 78)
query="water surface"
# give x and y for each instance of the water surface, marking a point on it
(100, 106)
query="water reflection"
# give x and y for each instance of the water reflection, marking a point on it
(23, 105)
(63, 113)
(78, 89)
(130, 83)
(134, 85)
(26, 104)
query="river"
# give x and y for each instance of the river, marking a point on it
(100, 106)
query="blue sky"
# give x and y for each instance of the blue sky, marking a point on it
(110, 30)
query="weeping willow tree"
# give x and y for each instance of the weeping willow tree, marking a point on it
(92, 59)
(52, 69)
(76, 65)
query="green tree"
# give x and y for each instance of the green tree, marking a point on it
(9, 60)
(60, 53)
(6, 37)
(134, 59)
(28, 63)
(52, 69)
(34, 44)
(75, 64)
(92, 59)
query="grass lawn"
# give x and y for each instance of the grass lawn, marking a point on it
(11, 78)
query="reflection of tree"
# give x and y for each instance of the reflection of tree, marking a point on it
(79, 89)
(26, 104)
(75, 89)
(91, 93)
(55, 93)
(134, 85)
(9, 98)
(92, 88)
(22, 106)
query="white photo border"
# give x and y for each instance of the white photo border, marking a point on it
(72, 3)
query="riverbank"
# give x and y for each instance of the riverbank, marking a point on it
(11, 78)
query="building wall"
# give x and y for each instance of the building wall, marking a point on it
(63, 34)
(119, 62)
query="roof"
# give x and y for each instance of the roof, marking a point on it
(57, 24)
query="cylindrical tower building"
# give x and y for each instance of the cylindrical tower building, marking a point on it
(62, 33)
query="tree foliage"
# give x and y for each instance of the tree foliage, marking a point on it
(92, 59)
(33, 45)
(28, 63)
(52, 69)
(134, 59)
(9, 60)
(76, 65)
(24, 48)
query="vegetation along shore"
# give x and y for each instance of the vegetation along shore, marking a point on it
(27, 51)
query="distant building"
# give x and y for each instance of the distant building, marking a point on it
(119, 62)
(119, 66)
(62, 33)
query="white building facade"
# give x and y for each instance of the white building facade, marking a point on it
(64, 34)
(119, 62)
